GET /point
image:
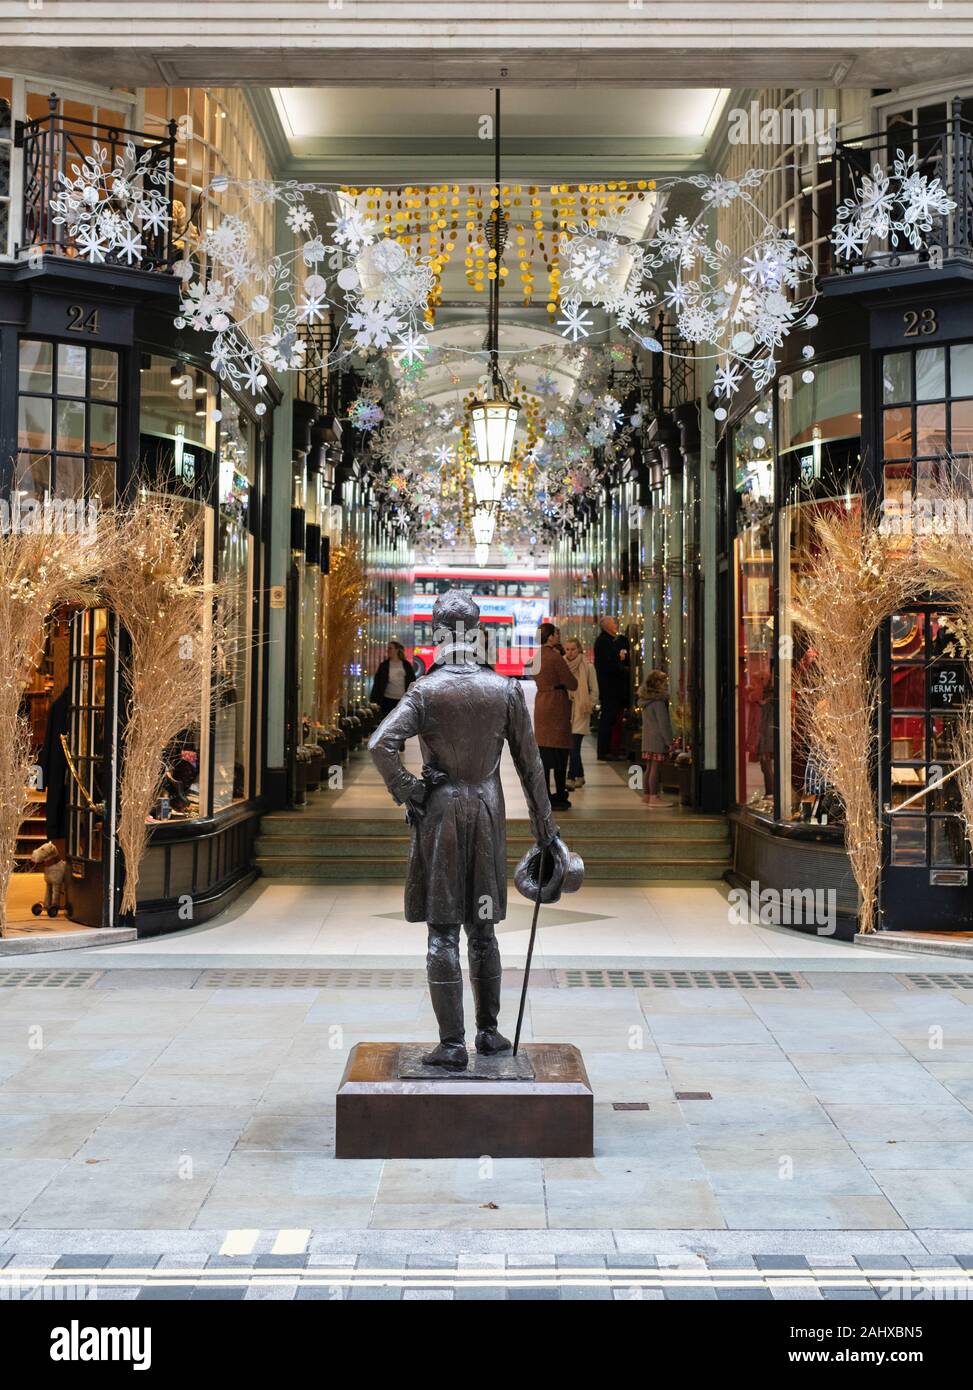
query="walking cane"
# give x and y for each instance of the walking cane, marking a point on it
(530, 946)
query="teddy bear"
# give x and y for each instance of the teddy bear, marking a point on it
(48, 857)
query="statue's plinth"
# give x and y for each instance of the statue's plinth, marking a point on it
(386, 1110)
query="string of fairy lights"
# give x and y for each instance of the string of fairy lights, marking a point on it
(435, 219)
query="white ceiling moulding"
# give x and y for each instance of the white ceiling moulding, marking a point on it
(394, 167)
(532, 43)
(397, 135)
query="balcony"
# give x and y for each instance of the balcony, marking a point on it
(903, 201)
(95, 193)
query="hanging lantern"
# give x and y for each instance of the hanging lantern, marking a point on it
(488, 482)
(484, 525)
(481, 554)
(494, 423)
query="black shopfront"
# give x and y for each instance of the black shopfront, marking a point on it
(100, 394)
(884, 406)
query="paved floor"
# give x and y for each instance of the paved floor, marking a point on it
(150, 1113)
(602, 924)
(167, 1130)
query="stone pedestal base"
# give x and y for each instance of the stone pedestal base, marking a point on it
(381, 1114)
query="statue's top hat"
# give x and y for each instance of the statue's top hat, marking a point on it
(563, 872)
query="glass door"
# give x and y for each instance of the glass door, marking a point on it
(926, 878)
(87, 781)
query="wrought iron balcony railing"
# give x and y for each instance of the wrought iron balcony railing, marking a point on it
(96, 192)
(313, 377)
(904, 197)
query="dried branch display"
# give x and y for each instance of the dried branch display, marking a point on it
(857, 576)
(152, 583)
(344, 618)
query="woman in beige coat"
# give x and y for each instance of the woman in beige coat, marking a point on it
(583, 701)
(552, 711)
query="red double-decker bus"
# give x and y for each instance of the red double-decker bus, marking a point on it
(512, 603)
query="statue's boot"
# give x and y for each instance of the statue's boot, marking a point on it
(485, 977)
(446, 993)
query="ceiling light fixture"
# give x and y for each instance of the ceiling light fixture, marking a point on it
(484, 524)
(493, 420)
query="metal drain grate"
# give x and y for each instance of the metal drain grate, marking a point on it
(48, 979)
(918, 980)
(680, 979)
(308, 979)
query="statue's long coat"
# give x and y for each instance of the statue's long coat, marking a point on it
(462, 714)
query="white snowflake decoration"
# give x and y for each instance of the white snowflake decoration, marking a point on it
(903, 205)
(353, 231)
(730, 307)
(374, 323)
(576, 323)
(411, 347)
(736, 308)
(108, 208)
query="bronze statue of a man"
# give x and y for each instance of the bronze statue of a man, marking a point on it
(462, 711)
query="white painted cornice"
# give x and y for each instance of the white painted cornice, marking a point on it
(535, 42)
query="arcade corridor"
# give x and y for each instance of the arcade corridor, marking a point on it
(644, 335)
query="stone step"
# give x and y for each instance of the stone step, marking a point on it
(397, 847)
(957, 944)
(351, 869)
(649, 825)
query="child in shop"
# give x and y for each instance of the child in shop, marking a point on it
(653, 699)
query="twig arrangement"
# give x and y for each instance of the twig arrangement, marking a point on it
(857, 576)
(39, 569)
(151, 582)
(344, 616)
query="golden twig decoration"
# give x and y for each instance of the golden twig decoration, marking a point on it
(344, 616)
(168, 614)
(856, 577)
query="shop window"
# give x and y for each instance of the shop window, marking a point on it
(177, 453)
(961, 369)
(236, 474)
(312, 597)
(927, 416)
(67, 421)
(819, 440)
(177, 424)
(897, 377)
(753, 567)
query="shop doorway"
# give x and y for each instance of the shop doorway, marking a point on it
(926, 881)
(58, 881)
